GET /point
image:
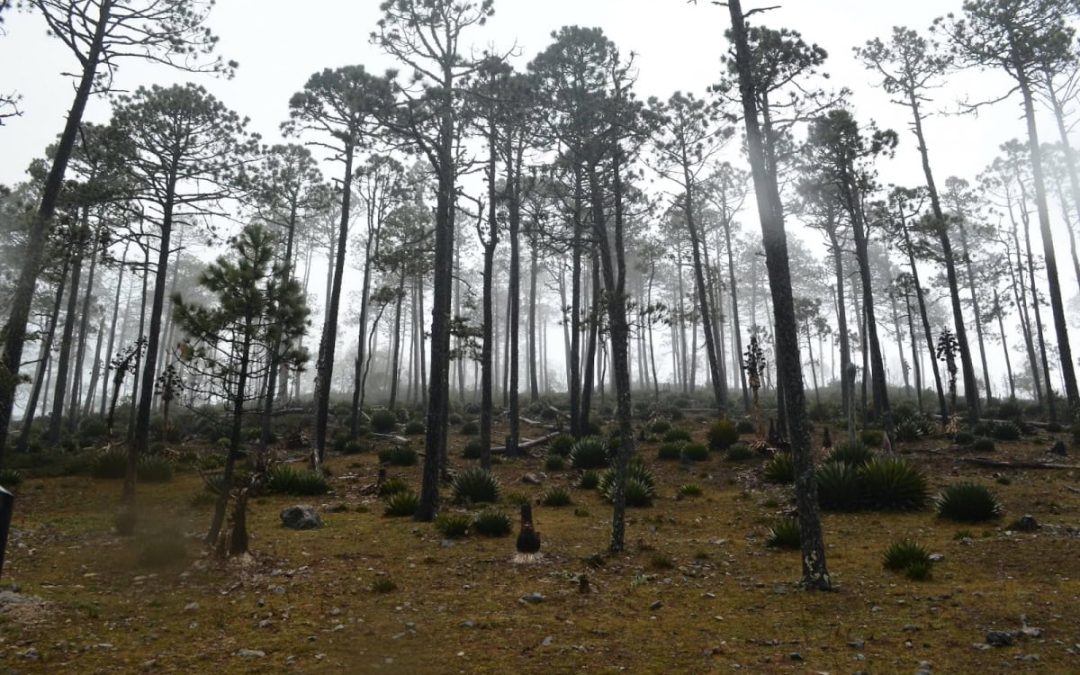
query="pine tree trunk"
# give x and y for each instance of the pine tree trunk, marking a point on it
(74, 407)
(44, 359)
(927, 331)
(64, 357)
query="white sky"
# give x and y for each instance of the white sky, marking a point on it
(678, 46)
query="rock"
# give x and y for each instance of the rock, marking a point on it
(531, 479)
(547, 641)
(468, 623)
(981, 646)
(1000, 638)
(250, 653)
(1059, 449)
(1027, 523)
(656, 605)
(301, 517)
(966, 541)
(532, 598)
(31, 653)
(266, 623)
(1031, 632)
(937, 557)
(191, 607)
(795, 656)
(857, 644)
(910, 628)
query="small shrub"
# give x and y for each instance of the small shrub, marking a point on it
(638, 494)
(414, 428)
(111, 464)
(722, 435)
(640, 487)
(517, 499)
(589, 480)
(909, 431)
(383, 421)
(162, 550)
(892, 485)
(470, 428)
(839, 487)
(963, 438)
(472, 450)
(1006, 431)
(690, 490)
(383, 585)
(353, 446)
(561, 445)
(10, 478)
(872, 437)
(669, 452)
(477, 486)
(286, 480)
(154, 470)
(919, 571)
(392, 487)
(968, 503)
(660, 427)
(398, 455)
(589, 453)
(1010, 410)
(92, 430)
(491, 523)
(781, 469)
(856, 454)
(676, 435)
(453, 525)
(401, 504)
(738, 452)
(984, 445)
(555, 497)
(785, 534)
(745, 427)
(660, 561)
(695, 452)
(554, 463)
(901, 556)
(454, 419)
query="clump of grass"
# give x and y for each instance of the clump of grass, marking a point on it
(556, 497)
(909, 557)
(383, 585)
(383, 421)
(554, 463)
(640, 486)
(738, 452)
(784, 534)
(589, 480)
(839, 487)
(353, 446)
(561, 445)
(744, 426)
(695, 452)
(398, 455)
(723, 434)
(477, 486)
(589, 453)
(154, 470)
(968, 503)
(393, 486)
(162, 549)
(10, 477)
(401, 504)
(660, 561)
(517, 499)
(491, 523)
(872, 437)
(780, 469)
(690, 490)
(856, 454)
(984, 445)
(1006, 431)
(963, 438)
(676, 435)
(453, 525)
(284, 479)
(470, 428)
(472, 450)
(669, 452)
(414, 428)
(660, 427)
(892, 485)
(109, 465)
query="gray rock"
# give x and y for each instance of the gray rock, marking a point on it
(1000, 638)
(937, 557)
(656, 605)
(1059, 449)
(1027, 523)
(301, 517)
(531, 479)
(532, 598)
(857, 644)
(251, 653)
(795, 656)
(1031, 632)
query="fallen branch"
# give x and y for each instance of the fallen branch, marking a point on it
(527, 443)
(993, 464)
(401, 440)
(1072, 489)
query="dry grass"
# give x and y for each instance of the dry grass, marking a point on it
(306, 599)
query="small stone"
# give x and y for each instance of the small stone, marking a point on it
(937, 557)
(1029, 657)
(857, 644)
(279, 590)
(795, 656)
(910, 628)
(301, 517)
(1031, 632)
(266, 623)
(547, 641)
(468, 623)
(1000, 638)
(1027, 524)
(981, 646)
(925, 665)
(531, 479)
(1059, 449)
(966, 541)
(191, 607)
(251, 653)
(31, 654)
(532, 598)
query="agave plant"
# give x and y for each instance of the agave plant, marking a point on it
(640, 487)
(589, 453)
(892, 485)
(476, 485)
(968, 503)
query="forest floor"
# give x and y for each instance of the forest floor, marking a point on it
(697, 590)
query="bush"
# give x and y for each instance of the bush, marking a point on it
(162, 549)
(855, 454)
(660, 427)
(589, 480)
(472, 449)
(383, 585)
(454, 419)
(676, 435)
(1011, 410)
(695, 452)
(745, 427)
(908, 557)
(10, 478)
(892, 485)
(477, 486)
(640, 485)
(383, 421)
(353, 447)
(491, 523)
(723, 434)
(823, 412)
(401, 504)
(393, 486)
(872, 437)
(785, 534)
(92, 430)
(554, 463)
(589, 453)
(690, 490)
(1006, 431)
(111, 464)
(963, 438)
(414, 428)
(555, 497)
(561, 445)
(738, 452)
(983, 428)
(453, 525)
(154, 470)
(470, 428)
(839, 487)
(984, 445)
(284, 479)
(781, 469)
(669, 452)
(968, 503)
(909, 431)
(398, 455)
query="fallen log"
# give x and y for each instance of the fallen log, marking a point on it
(400, 440)
(527, 443)
(994, 464)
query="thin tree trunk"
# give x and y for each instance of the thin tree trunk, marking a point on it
(45, 353)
